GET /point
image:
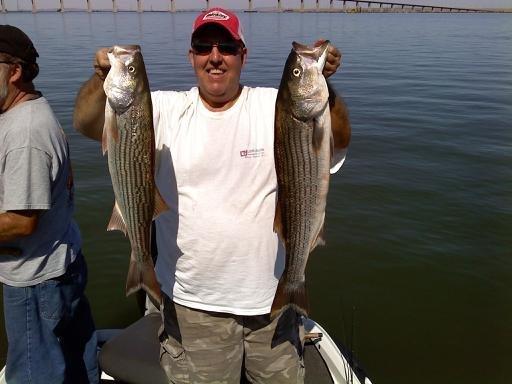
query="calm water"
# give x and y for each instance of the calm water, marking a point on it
(417, 272)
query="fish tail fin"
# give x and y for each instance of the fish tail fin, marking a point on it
(290, 295)
(142, 275)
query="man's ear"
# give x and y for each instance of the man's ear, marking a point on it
(244, 55)
(16, 73)
(191, 56)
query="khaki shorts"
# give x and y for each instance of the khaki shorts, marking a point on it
(210, 347)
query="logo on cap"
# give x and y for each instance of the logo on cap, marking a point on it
(216, 15)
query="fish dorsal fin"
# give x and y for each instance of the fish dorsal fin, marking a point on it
(160, 204)
(318, 135)
(319, 238)
(109, 127)
(116, 220)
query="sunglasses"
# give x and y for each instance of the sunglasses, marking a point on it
(225, 48)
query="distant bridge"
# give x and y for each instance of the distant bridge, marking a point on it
(370, 4)
(423, 8)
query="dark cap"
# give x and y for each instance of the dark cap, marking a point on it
(15, 42)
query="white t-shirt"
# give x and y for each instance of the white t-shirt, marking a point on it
(217, 250)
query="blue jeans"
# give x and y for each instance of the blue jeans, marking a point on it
(50, 331)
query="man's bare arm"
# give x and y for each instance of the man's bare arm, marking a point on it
(89, 113)
(16, 224)
(340, 123)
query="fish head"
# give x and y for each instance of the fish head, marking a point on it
(126, 78)
(305, 83)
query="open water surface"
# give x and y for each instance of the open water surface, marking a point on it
(416, 276)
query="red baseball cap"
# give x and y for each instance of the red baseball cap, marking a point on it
(221, 17)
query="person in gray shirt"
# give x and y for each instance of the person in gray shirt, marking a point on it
(49, 326)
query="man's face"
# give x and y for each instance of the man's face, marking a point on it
(217, 71)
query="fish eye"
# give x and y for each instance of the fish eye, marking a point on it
(296, 72)
(131, 68)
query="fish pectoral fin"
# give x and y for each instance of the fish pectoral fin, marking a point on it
(142, 275)
(109, 127)
(318, 135)
(116, 220)
(290, 295)
(104, 138)
(160, 204)
(107, 123)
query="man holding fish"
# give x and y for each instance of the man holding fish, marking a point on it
(48, 321)
(219, 255)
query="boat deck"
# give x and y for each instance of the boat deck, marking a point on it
(129, 365)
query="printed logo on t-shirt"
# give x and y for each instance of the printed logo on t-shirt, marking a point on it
(250, 153)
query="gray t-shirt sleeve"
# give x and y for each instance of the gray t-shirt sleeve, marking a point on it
(27, 175)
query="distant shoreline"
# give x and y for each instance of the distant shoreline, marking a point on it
(348, 10)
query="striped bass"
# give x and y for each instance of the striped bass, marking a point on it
(129, 140)
(303, 150)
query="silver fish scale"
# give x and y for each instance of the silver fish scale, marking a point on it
(300, 171)
(130, 160)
